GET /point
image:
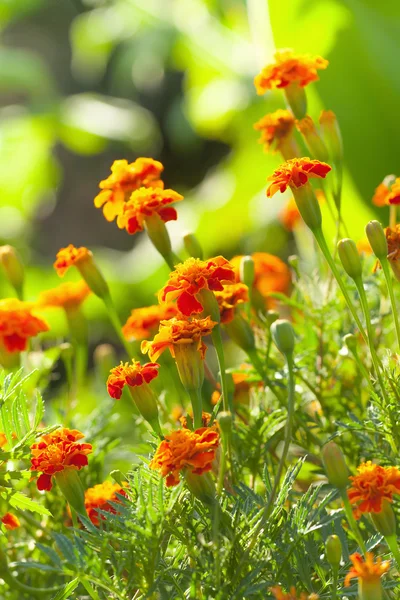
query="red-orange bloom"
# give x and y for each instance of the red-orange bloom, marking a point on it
(185, 449)
(10, 521)
(387, 192)
(366, 570)
(177, 332)
(231, 296)
(67, 295)
(58, 451)
(69, 257)
(289, 68)
(192, 276)
(99, 498)
(144, 203)
(275, 129)
(18, 324)
(130, 374)
(295, 173)
(124, 179)
(372, 485)
(143, 322)
(271, 274)
(279, 594)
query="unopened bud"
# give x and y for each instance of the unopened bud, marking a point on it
(335, 465)
(350, 258)
(240, 331)
(283, 336)
(385, 520)
(13, 268)
(350, 341)
(225, 423)
(192, 246)
(312, 138)
(331, 134)
(247, 271)
(377, 239)
(93, 276)
(333, 549)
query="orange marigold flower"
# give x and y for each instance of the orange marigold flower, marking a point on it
(178, 332)
(289, 68)
(18, 324)
(143, 322)
(144, 203)
(387, 192)
(271, 274)
(279, 594)
(393, 240)
(10, 521)
(295, 173)
(185, 449)
(372, 485)
(69, 257)
(130, 374)
(58, 451)
(366, 570)
(364, 247)
(275, 129)
(229, 298)
(124, 179)
(67, 295)
(100, 496)
(192, 276)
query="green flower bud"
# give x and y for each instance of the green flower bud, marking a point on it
(333, 549)
(247, 271)
(331, 134)
(283, 336)
(335, 465)
(13, 268)
(350, 258)
(192, 246)
(225, 423)
(377, 239)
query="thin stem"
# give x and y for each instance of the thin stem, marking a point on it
(219, 348)
(319, 236)
(389, 283)
(335, 573)
(351, 520)
(114, 318)
(391, 541)
(197, 401)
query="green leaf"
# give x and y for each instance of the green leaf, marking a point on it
(18, 500)
(70, 587)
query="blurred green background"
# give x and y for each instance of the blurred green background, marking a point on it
(85, 82)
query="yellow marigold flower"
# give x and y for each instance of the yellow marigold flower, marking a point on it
(69, 257)
(100, 496)
(289, 68)
(133, 374)
(372, 485)
(387, 192)
(229, 298)
(366, 570)
(124, 179)
(271, 274)
(177, 333)
(10, 521)
(18, 324)
(275, 129)
(67, 295)
(144, 203)
(143, 322)
(184, 449)
(279, 594)
(295, 173)
(191, 277)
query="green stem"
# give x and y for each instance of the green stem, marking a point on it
(335, 573)
(114, 318)
(351, 520)
(391, 541)
(219, 348)
(319, 236)
(197, 402)
(389, 284)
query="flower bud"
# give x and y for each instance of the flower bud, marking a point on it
(297, 99)
(283, 336)
(335, 465)
(350, 258)
(225, 423)
(192, 246)
(247, 271)
(240, 331)
(333, 549)
(93, 277)
(350, 341)
(13, 268)
(385, 520)
(307, 203)
(71, 487)
(331, 134)
(312, 138)
(377, 239)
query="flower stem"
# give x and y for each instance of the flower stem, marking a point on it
(388, 276)
(351, 520)
(391, 541)
(335, 573)
(197, 401)
(114, 318)
(219, 348)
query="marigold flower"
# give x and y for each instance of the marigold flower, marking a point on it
(271, 274)
(366, 570)
(56, 452)
(185, 449)
(193, 276)
(144, 203)
(296, 173)
(10, 521)
(67, 295)
(179, 332)
(372, 485)
(279, 594)
(100, 496)
(133, 374)
(69, 257)
(289, 68)
(275, 129)
(229, 298)
(387, 192)
(144, 321)
(124, 179)
(18, 324)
